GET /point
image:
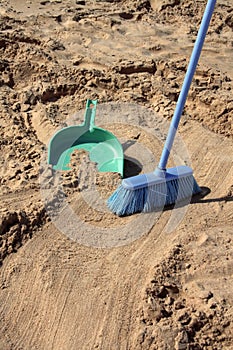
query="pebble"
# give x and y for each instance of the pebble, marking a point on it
(181, 341)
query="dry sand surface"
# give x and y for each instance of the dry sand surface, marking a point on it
(149, 281)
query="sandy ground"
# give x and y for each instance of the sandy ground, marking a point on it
(91, 280)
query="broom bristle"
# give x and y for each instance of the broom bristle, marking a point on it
(126, 201)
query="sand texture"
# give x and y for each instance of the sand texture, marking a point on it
(73, 276)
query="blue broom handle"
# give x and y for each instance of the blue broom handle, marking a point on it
(186, 84)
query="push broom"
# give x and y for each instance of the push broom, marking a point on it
(146, 192)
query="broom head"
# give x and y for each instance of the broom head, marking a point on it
(148, 192)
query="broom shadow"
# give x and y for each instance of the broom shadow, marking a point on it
(198, 198)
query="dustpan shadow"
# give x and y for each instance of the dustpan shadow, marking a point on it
(132, 166)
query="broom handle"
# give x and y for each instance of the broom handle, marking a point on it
(186, 84)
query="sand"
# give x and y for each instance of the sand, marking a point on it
(73, 275)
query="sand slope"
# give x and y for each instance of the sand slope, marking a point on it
(171, 287)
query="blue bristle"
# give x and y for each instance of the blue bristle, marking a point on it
(149, 198)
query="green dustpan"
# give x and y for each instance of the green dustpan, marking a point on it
(103, 147)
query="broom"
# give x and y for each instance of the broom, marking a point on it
(146, 192)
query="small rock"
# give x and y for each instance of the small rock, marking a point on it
(16, 107)
(181, 341)
(169, 301)
(179, 305)
(183, 317)
(25, 107)
(205, 295)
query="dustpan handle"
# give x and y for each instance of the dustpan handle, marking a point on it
(89, 118)
(187, 82)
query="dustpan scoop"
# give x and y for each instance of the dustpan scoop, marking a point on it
(103, 147)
